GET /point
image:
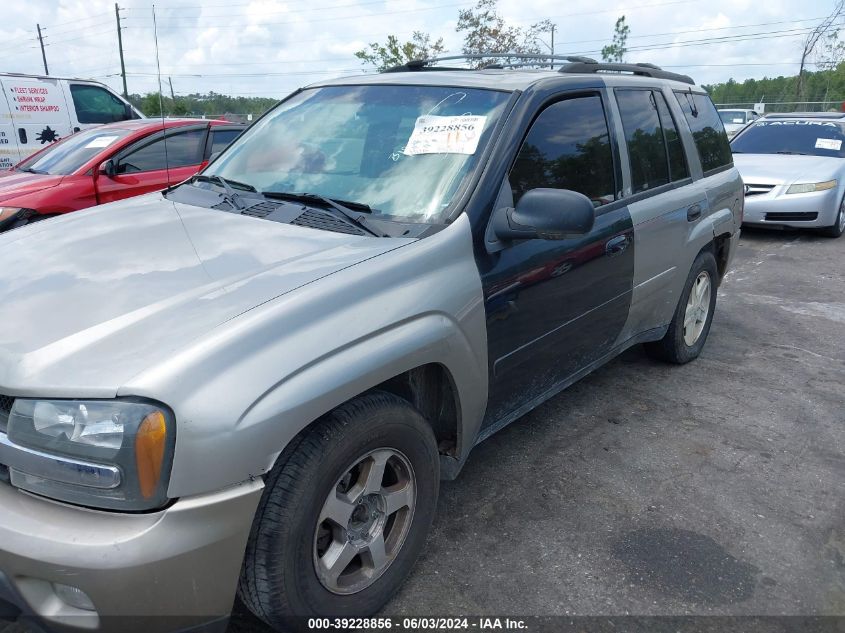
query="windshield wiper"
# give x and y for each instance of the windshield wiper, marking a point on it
(32, 170)
(344, 207)
(231, 196)
(794, 153)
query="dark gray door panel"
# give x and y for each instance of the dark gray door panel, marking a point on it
(554, 307)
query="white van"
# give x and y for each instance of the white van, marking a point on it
(36, 110)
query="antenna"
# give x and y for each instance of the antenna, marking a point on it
(160, 100)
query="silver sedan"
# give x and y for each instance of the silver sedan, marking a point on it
(793, 167)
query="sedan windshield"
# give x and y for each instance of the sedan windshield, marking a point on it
(813, 138)
(732, 116)
(402, 150)
(71, 153)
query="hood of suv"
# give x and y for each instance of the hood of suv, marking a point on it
(93, 298)
(780, 169)
(16, 183)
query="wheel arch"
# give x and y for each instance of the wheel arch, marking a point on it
(426, 361)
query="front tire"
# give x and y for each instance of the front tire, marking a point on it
(838, 227)
(690, 324)
(344, 515)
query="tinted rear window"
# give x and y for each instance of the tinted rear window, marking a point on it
(732, 116)
(220, 139)
(814, 138)
(711, 141)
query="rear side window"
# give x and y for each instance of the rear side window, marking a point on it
(220, 139)
(183, 149)
(644, 136)
(567, 147)
(678, 169)
(96, 105)
(711, 141)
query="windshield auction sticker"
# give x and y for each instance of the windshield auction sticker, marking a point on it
(829, 143)
(101, 141)
(445, 135)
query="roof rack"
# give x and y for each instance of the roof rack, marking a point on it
(644, 70)
(574, 64)
(428, 64)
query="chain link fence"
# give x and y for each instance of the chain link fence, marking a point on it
(787, 106)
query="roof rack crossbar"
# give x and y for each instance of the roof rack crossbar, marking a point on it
(428, 64)
(644, 70)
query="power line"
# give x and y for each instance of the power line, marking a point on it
(727, 39)
(82, 37)
(87, 27)
(90, 17)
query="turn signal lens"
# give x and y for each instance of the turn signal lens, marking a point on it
(150, 444)
(811, 186)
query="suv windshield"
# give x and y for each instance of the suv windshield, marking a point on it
(815, 138)
(732, 116)
(402, 150)
(71, 153)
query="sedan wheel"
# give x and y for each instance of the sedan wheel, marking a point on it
(838, 227)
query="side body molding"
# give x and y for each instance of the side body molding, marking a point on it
(241, 393)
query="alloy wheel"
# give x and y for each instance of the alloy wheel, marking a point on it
(698, 308)
(364, 521)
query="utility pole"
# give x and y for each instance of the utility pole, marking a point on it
(43, 54)
(554, 26)
(120, 49)
(172, 95)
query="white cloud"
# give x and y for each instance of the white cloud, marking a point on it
(270, 47)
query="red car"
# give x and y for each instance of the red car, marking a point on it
(109, 163)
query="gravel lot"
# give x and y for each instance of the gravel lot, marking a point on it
(713, 488)
(717, 487)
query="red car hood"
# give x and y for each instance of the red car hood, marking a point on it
(18, 183)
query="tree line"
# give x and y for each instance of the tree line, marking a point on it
(821, 86)
(197, 104)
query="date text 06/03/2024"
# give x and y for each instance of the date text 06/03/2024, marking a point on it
(418, 624)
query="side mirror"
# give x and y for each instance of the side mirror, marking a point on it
(128, 112)
(546, 214)
(108, 168)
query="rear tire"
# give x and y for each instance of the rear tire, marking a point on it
(690, 325)
(838, 226)
(327, 539)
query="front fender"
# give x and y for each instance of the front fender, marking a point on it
(329, 381)
(244, 390)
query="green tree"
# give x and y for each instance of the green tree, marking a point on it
(820, 33)
(197, 104)
(615, 51)
(395, 53)
(486, 31)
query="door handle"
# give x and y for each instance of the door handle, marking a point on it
(616, 245)
(694, 212)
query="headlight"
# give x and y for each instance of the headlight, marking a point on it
(104, 453)
(811, 186)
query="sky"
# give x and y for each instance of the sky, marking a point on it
(271, 47)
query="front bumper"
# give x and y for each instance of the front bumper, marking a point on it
(799, 210)
(170, 570)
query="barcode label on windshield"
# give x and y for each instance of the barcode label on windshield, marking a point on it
(828, 143)
(445, 135)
